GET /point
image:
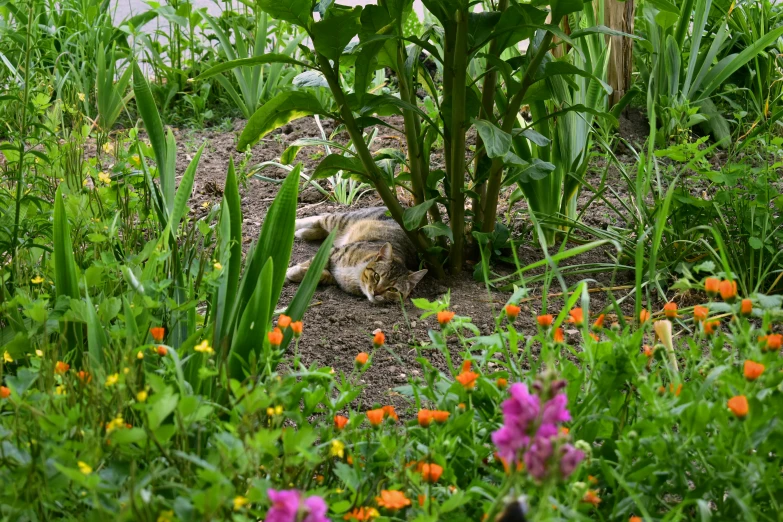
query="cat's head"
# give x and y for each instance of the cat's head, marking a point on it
(386, 280)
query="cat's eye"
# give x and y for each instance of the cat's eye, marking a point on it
(394, 290)
(376, 277)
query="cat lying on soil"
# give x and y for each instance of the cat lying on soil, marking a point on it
(371, 255)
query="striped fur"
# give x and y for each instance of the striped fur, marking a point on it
(371, 254)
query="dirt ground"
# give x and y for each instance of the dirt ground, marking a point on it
(338, 325)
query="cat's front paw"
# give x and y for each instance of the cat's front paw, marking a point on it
(295, 274)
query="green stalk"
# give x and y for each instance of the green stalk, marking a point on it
(389, 199)
(457, 172)
(411, 136)
(496, 174)
(486, 113)
(22, 135)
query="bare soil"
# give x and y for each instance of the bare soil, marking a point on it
(338, 325)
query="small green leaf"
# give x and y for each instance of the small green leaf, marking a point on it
(283, 108)
(413, 216)
(496, 142)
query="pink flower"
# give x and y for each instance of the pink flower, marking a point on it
(536, 457)
(287, 504)
(569, 459)
(519, 411)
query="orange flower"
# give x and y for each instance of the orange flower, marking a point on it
(591, 497)
(670, 310)
(422, 500)
(425, 417)
(275, 337)
(84, 377)
(467, 379)
(445, 317)
(502, 383)
(466, 365)
(712, 286)
(728, 290)
(440, 416)
(739, 406)
(676, 391)
(296, 327)
(644, 316)
(431, 472)
(157, 333)
(746, 307)
(595, 337)
(710, 327)
(5, 392)
(389, 412)
(162, 351)
(461, 406)
(392, 500)
(752, 370)
(700, 313)
(379, 339)
(599, 323)
(512, 311)
(661, 390)
(558, 335)
(564, 431)
(362, 513)
(545, 321)
(340, 421)
(635, 519)
(362, 358)
(648, 351)
(283, 321)
(375, 416)
(577, 317)
(771, 342)
(61, 367)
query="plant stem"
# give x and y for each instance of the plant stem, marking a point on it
(421, 243)
(486, 113)
(496, 174)
(457, 173)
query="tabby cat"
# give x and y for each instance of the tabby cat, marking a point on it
(371, 255)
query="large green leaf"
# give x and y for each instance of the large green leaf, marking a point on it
(283, 108)
(232, 202)
(297, 12)
(496, 142)
(184, 191)
(66, 283)
(151, 118)
(330, 36)
(276, 241)
(414, 216)
(713, 81)
(308, 285)
(253, 326)
(249, 62)
(337, 162)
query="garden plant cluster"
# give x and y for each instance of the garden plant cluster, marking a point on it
(154, 367)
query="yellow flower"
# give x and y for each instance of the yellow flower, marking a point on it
(7, 357)
(204, 347)
(59, 390)
(278, 410)
(39, 353)
(205, 204)
(81, 96)
(141, 396)
(217, 266)
(240, 502)
(115, 424)
(126, 370)
(337, 449)
(106, 147)
(102, 176)
(111, 380)
(37, 280)
(136, 160)
(270, 411)
(140, 355)
(84, 467)
(166, 516)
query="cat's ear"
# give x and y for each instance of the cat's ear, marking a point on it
(385, 254)
(415, 277)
